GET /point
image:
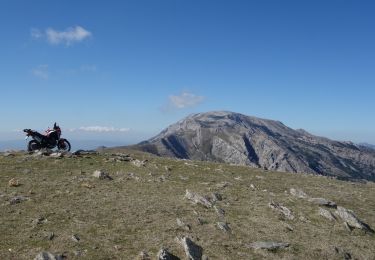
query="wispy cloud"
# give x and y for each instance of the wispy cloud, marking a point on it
(41, 72)
(68, 36)
(100, 129)
(185, 100)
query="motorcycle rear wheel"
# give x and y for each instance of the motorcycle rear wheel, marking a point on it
(33, 146)
(63, 145)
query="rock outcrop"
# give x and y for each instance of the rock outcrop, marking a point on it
(244, 140)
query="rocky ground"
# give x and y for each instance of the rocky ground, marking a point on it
(137, 206)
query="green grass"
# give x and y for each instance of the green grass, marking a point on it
(118, 219)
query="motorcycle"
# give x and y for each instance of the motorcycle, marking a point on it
(50, 140)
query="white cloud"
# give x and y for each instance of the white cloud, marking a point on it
(100, 129)
(185, 100)
(68, 36)
(41, 72)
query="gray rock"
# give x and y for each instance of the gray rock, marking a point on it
(164, 254)
(245, 140)
(298, 193)
(323, 202)
(352, 220)
(223, 226)
(139, 163)
(56, 155)
(182, 225)
(192, 250)
(76, 238)
(17, 199)
(269, 245)
(220, 212)
(47, 256)
(327, 214)
(216, 197)
(144, 256)
(101, 175)
(198, 199)
(283, 210)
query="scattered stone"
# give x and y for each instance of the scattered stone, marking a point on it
(162, 178)
(14, 183)
(346, 255)
(298, 193)
(223, 185)
(198, 199)
(164, 254)
(182, 224)
(347, 227)
(131, 175)
(323, 202)
(101, 175)
(50, 236)
(8, 154)
(216, 197)
(352, 220)
(220, 212)
(76, 238)
(269, 245)
(259, 177)
(56, 155)
(284, 210)
(47, 256)
(253, 187)
(144, 256)
(327, 214)
(139, 163)
(167, 168)
(223, 226)
(17, 199)
(85, 152)
(289, 228)
(87, 185)
(44, 151)
(39, 221)
(192, 250)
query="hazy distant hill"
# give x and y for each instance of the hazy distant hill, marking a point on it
(245, 140)
(368, 145)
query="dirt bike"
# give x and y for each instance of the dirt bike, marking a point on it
(50, 140)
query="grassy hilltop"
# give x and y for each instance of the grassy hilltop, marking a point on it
(57, 205)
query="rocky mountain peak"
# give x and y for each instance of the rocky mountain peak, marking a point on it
(235, 138)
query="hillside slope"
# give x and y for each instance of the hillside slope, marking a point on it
(244, 140)
(57, 205)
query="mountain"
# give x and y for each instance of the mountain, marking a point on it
(371, 146)
(246, 140)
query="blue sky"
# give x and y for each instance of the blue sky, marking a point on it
(124, 70)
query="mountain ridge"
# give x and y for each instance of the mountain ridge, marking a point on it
(234, 138)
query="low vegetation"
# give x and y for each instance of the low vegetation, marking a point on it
(137, 203)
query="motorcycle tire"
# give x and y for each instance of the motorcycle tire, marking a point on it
(33, 146)
(64, 145)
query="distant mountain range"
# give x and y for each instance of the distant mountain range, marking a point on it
(245, 140)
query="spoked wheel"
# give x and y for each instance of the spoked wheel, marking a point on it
(33, 146)
(63, 145)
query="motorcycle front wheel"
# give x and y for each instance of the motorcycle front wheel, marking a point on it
(63, 145)
(33, 146)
